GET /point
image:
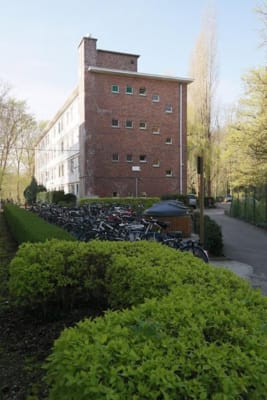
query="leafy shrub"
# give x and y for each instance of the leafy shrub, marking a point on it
(151, 271)
(110, 274)
(191, 331)
(57, 272)
(137, 204)
(28, 227)
(191, 344)
(31, 191)
(213, 240)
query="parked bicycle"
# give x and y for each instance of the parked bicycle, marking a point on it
(115, 223)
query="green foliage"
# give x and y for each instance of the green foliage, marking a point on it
(69, 199)
(31, 191)
(246, 141)
(106, 273)
(250, 204)
(189, 330)
(138, 204)
(203, 341)
(213, 240)
(28, 227)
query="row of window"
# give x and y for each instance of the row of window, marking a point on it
(142, 159)
(142, 91)
(115, 123)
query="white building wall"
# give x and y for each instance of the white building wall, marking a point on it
(57, 153)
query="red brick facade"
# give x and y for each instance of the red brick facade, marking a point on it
(130, 120)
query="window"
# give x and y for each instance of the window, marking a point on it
(115, 157)
(142, 158)
(155, 98)
(129, 90)
(129, 158)
(168, 140)
(129, 123)
(115, 123)
(168, 108)
(142, 125)
(168, 172)
(115, 89)
(71, 164)
(156, 130)
(156, 163)
(142, 91)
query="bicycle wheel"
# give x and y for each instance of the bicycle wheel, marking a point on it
(197, 251)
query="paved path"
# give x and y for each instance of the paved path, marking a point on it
(245, 248)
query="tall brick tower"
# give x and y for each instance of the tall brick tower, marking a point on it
(133, 126)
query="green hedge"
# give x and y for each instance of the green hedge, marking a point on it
(201, 341)
(111, 274)
(181, 328)
(26, 226)
(138, 204)
(213, 239)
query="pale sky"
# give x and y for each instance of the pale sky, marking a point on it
(39, 41)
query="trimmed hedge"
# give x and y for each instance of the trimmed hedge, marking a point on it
(138, 204)
(203, 340)
(26, 226)
(213, 239)
(111, 274)
(181, 328)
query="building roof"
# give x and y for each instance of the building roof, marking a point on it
(67, 103)
(100, 70)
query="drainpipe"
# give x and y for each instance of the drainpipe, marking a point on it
(181, 137)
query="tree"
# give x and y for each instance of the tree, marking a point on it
(201, 97)
(261, 10)
(247, 136)
(14, 120)
(30, 193)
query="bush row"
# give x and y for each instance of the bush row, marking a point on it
(138, 204)
(179, 329)
(28, 227)
(57, 197)
(213, 239)
(191, 344)
(111, 274)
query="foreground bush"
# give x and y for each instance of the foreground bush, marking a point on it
(181, 329)
(190, 344)
(110, 274)
(28, 227)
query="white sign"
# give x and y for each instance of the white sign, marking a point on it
(136, 168)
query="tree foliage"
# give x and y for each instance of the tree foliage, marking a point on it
(201, 98)
(246, 141)
(18, 134)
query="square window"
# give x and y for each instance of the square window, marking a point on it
(142, 158)
(115, 89)
(156, 130)
(115, 157)
(168, 172)
(155, 98)
(115, 123)
(129, 123)
(168, 140)
(142, 125)
(142, 91)
(129, 90)
(156, 163)
(168, 108)
(129, 158)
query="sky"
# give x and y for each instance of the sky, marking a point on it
(39, 42)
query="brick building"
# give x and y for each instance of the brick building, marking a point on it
(121, 132)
